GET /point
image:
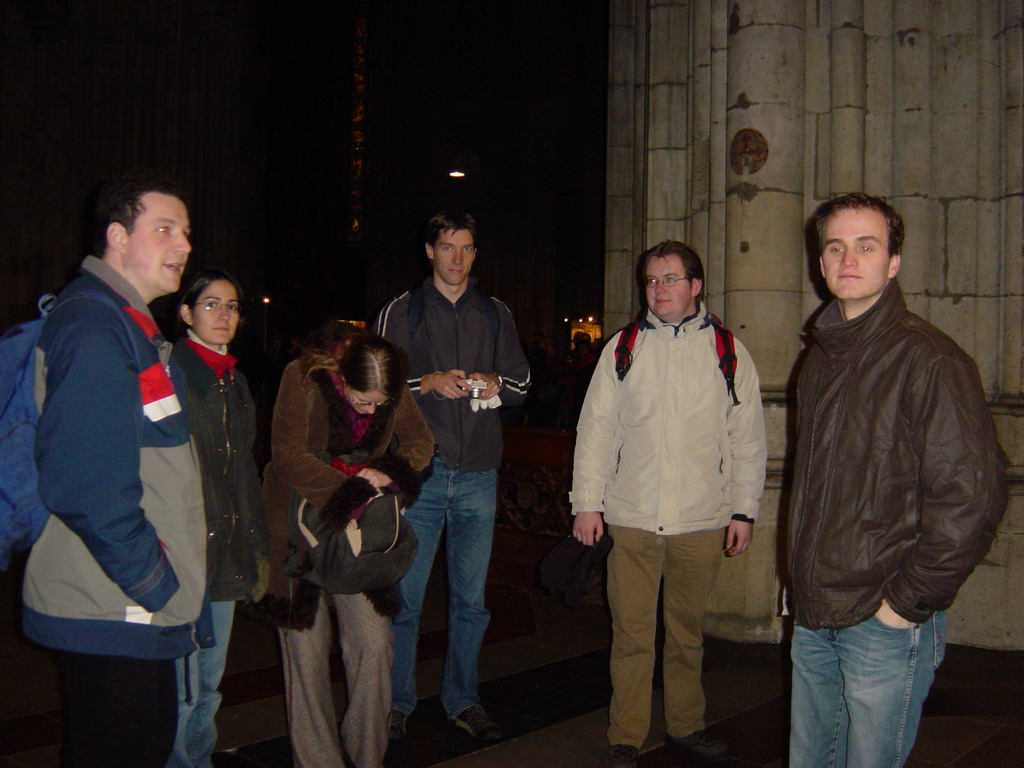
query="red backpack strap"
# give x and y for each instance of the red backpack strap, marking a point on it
(624, 349)
(725, 344)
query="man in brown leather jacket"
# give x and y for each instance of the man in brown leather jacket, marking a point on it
(899, 488)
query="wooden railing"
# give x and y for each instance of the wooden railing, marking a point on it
(533, 502)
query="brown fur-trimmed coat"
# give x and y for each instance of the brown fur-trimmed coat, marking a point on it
(309, 418)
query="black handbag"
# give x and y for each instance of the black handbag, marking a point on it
(363, 556)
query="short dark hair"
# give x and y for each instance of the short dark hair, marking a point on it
(119, 199)
(692, 264)
(446, 221)
(856, 201)
(195, 289)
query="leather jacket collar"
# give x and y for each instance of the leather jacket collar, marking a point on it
(837, 336)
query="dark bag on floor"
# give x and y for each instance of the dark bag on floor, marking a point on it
(373, 553)
(569, 568)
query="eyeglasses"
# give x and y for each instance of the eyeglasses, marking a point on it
(668, 282)
(215, 306)
(368, 404)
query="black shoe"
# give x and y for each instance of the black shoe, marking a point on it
(701, 745)
(474, 721)
(621, 756)
(396, 725)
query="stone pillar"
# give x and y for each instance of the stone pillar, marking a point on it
(1010, 247)
(625, 224)
(764, 172)
(707, 99)
(669, 128)
(847, 95)
(912, 169)
(666, 104)
(708, 142)
(762, 167)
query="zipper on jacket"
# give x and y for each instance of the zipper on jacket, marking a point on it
(827, 487)
(458, 409)
(223, 387)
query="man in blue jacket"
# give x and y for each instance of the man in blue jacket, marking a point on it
(465, 360)
(116, 583)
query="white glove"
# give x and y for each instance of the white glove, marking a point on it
(492, 402)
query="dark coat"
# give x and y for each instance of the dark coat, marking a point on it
(309, 419)
(459, 336)
(222, 418)
(899, 483)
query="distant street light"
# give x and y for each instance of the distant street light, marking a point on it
(265, 300)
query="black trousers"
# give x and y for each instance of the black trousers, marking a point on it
(121, 712)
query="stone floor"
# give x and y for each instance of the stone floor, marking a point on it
(545, 677)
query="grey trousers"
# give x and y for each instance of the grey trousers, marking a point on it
(365, 638)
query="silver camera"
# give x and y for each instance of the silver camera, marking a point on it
(477, 387)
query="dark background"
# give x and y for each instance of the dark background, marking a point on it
(251, 104)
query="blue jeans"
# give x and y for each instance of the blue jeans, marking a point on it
(197, 732)
(464, 503)
(858, 692)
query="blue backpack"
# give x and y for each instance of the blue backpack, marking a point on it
(22, 512)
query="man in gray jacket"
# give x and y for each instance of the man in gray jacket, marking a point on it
(897, 494)
(673, 460)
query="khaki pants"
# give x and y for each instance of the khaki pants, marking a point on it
(365, 639)
(637, 564)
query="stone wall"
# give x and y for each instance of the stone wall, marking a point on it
(729, 122)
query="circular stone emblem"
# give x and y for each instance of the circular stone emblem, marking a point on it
(749, 151)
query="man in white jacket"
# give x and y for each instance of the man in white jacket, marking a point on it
(674, 464)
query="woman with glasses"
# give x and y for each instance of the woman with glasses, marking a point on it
(345, 400)
(222, 419)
